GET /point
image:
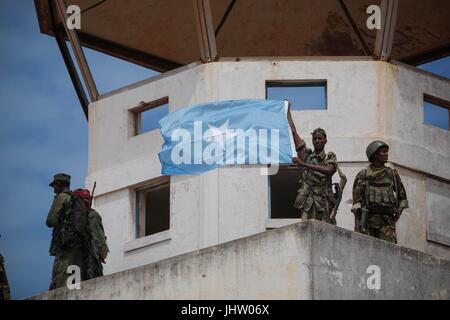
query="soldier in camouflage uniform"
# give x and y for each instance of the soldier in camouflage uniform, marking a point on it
(63, 257)
(379, 192)
(4, 285)
(315, 198)
(98, 248)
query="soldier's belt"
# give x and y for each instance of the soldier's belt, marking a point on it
(381, 210)
(380, 185)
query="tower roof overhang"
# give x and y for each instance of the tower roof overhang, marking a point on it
(162, 34)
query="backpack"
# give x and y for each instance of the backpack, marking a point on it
(73, 230)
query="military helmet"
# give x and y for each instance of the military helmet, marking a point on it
(60, 177)
(373, 147)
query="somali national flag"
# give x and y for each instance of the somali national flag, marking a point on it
(209, 135)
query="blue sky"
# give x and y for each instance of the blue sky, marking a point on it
(43, 131)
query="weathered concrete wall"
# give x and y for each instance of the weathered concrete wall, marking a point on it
(340, 261)
(366, 100)
(415, 144)
(308, 260)
(438, 215)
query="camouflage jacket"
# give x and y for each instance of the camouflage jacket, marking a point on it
(313, 184)
(61, 200)
(99, 248)
(375, 188)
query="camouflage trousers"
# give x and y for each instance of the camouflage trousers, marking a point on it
(316, 208)
(5, 293)
(381, 226)
(95, 267)
(64, 259)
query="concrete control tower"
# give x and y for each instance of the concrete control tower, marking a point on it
(211, 50)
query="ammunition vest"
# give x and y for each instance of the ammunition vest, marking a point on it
(379, 191)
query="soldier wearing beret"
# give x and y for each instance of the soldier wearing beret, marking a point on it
(98, 249)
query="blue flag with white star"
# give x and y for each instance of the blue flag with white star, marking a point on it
(209, 135)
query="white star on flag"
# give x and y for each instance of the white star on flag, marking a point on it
(220, 134)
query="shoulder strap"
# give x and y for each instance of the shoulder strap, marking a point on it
(394, 176)
(70, 193)
(366, 185)
(340, 173)
(364, 174)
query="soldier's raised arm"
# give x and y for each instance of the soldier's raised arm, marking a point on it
(300, 145)
(297, 139)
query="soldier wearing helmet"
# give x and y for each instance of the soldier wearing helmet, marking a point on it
(315, 198)
(379, 196)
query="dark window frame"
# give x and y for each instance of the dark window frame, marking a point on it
(300, 83)
(292, 213)
(136, 114)
(140, 206)
(427, 98)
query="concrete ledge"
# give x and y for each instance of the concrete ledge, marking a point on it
(440, 239)
(147, 241)
(278, 223)
(307, 260)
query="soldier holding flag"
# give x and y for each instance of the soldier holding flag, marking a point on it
(315, 198)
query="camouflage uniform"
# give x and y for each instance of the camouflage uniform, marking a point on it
(63, 257)
(315, 196)
(4, 286)
(99, 248)
(375, 187)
